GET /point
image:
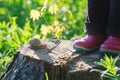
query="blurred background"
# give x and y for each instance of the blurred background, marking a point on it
(17, 27)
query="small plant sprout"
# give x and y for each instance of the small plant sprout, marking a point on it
(46, 76)
(110, 69)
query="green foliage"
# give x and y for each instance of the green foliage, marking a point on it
(71, 13)
(111, 70)
(11, 38)
(4, 62)
(48, 30)
(63, 14)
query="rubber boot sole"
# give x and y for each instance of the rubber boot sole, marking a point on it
(109, 53)
(84, 50)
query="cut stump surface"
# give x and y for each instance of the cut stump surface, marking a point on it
(58, 60)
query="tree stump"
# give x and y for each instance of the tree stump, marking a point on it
(58, 60)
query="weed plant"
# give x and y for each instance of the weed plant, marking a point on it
(111, 69)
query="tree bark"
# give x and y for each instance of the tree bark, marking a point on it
(59, 60)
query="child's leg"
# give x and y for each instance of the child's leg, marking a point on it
(98, 11)
(113, 28)
(112, 45)
(96, 26)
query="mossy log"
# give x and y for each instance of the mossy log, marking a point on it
(58, 60)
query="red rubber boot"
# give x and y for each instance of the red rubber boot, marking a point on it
(89, 43)
(111, 46)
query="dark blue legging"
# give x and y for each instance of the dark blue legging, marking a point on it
(103, 17)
